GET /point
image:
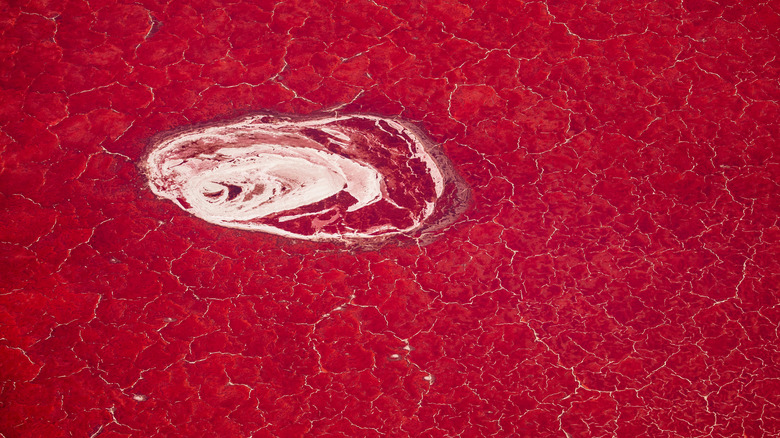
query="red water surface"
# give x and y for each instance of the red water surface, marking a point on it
(616, 273)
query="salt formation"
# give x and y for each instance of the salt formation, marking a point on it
(353, 178)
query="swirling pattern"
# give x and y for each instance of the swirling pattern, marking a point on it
(332, 177)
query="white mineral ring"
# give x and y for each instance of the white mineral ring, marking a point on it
(353, 178)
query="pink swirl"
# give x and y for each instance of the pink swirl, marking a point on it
(334, 177)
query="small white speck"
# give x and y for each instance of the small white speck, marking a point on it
(140, 397)
(395, 356)
(428, 377)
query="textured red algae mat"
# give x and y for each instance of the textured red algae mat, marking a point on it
(614, 276)
(347, 178)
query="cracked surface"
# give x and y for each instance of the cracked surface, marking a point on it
(615, 275)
